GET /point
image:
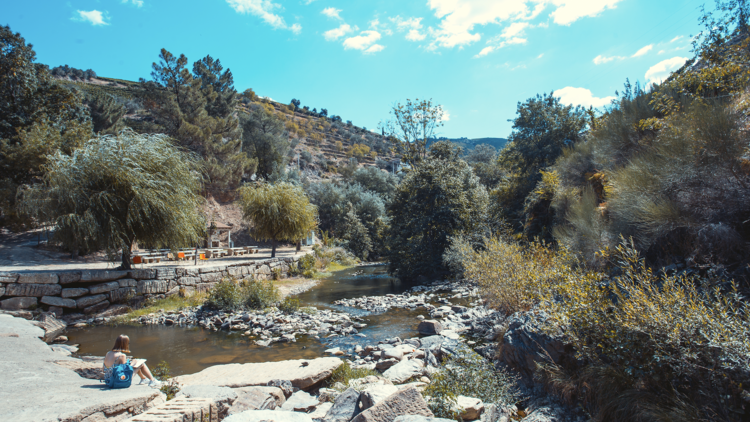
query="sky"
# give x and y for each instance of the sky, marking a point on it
(357, 58)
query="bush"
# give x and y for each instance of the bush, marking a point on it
(486, 383)
(306, 263)
(289, 305)
(226, 295)
(260, 294)
(163, 372)
(344, 373)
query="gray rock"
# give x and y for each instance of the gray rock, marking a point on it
(58, 301)
(393, 353)
(300, 402)
(142, 274)
(87, 301)
(404, 370)
(74, 292)
(223, 397)
(69, 277)
(121, 294)
(525, 343)
(33, 290)
(268, 416)
(104, 288)
(430, 327)
(127, 282)
(386, 364)
(284, 385)
(375, 394)
(152, 286)
(345, 408)
(417, 418)
(18, 303)
(38, 278)
(8, 277)
(320, 411)
(50, 324)
(468, 408)
(96, 308)
(102, 275)
(404, 402)
(254, 398)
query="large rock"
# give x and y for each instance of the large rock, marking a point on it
(285, 386)
(417, 418)
(402, 371)
(122, 294)
(104, 287)
(50, 324)
(274, 392)
(87, 301)
(102, 275)
(8, 277)
(18, 303)
(345, 408)
(33, 290)
(268, 416)
(375, 394)
(222, 397)
(254, 398)
(469, 408)
(58, 301)
(405, 402)
(69, 277)
(300, 402)
(152, 286)
(74, 292)
(96, 308)
(430, 327)
(38, 278)
(320, 411)
(247, 374)
(525, 343)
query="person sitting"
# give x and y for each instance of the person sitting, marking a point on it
(117, 357)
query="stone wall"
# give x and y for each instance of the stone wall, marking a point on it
(91, 291)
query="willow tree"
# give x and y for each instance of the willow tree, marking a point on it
(115, 191)
(280, 212)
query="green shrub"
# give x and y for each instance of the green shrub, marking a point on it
(345, 373)
(163, 373)
(468, 374)
(306, 262)
(260, 294)
(289, 305)
(226, 295)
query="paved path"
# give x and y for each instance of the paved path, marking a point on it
(36, 389)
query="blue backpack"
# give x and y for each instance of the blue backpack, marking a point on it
(120, 376)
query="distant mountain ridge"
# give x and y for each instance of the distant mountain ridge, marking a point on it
(469, 144)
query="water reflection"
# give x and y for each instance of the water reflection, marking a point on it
(192, 349)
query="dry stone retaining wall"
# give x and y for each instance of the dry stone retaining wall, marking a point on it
(90, 291)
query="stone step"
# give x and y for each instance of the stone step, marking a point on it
(181, 409)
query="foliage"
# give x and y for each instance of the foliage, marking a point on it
(231, 294)
(413, 124)
(488, 384)
(289, 305)
(375, 180)
(307, 264)
(163, 373)
(197, 109)
(259, 294)
(358, 151)
(437, 199)
(345, 373)
(73, 73)
(265, 138)
(355, 234)
(279, 212)
(115, 191)
(105, 113)
(481, 153)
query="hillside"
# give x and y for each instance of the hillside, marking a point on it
(470, 144)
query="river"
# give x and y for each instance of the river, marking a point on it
(191, 349)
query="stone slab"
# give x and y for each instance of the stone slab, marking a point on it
(38, 278)
(74, 292)
(345, 408)
(33, 290)
(402, 371)
(405, 402)
(180, 410)
(248, 374)
(104, 287)
(268, 416)
(102, 275)
(87, 301)
(69, 277)
(18, 303)
(58, 301)
(96, 308)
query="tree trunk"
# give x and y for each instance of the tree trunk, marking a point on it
(299, 245)
(126, 257)
(273, 248)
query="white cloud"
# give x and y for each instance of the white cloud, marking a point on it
(307, 2)
(337, 33)
(675, 39)
(660, 71)
(643, 51)
(581, 96)
(512, 34)
(540, 56)
(415, 35)
(264, 10)
(332, 12)
(569, 11)
(446, 116)
(138, 3)
(364, 41)
(411, 25)
(604, 59)
(485, 51)
(93, 17)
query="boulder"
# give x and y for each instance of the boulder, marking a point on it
(392, 353)
(50, 324)
(248, 374)
(87, 301)
(284, 385)
(254, 398)
(104, 287)
(320, 411)
(33, 290)
(417, 418)
(386, 364)
(430, 327)
(74, 292)
(102, 275)
(404, 402)
(121, 294)
(300, 402)
(525, 344)
(8, 277)
(268, 416)
(404, 370)
(375, 394)
(469, 408)
(222, 397)
(345, 408)
(69, 277)
(58, 301)
(152, 286)
(18, 303)
(38, 278)
(96, 308)
(274, 392)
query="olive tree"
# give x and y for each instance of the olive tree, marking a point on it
(115, 191)
(279, 212)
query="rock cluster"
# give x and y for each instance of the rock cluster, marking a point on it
(419, 296)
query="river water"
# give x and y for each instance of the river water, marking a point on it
(191, 349)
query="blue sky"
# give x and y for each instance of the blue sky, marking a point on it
(478, 58)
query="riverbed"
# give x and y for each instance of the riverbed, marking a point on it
(191, 349)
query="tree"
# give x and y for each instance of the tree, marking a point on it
(278, 212)
(118, 190)
(324, 112)
(265, 139)
(356, 236)
(437, 199)
(414, 124)
(199, 117)
(105, 113)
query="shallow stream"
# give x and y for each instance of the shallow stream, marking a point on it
(191, 349)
